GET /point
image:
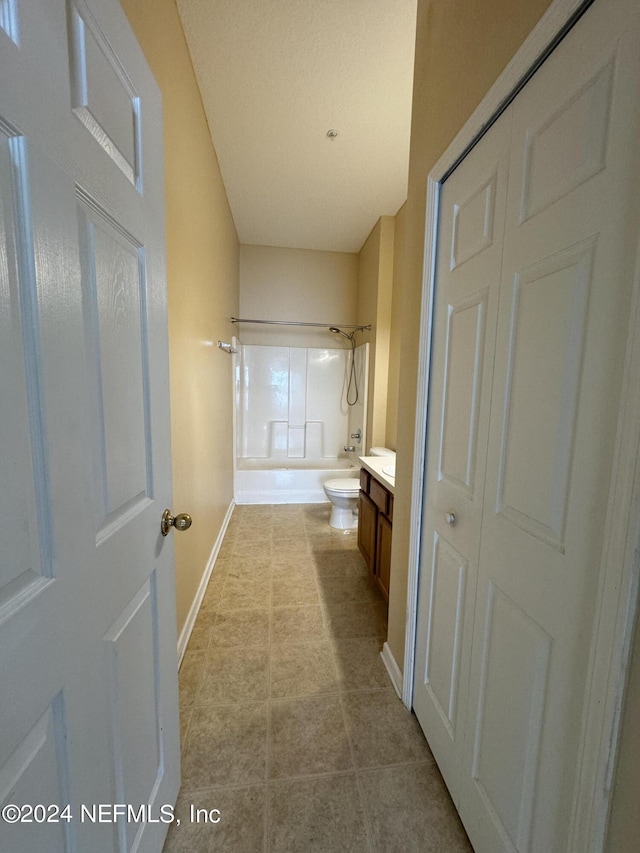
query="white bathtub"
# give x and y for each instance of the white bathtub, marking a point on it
(264, 481)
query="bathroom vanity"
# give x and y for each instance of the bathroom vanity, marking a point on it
(375, 517)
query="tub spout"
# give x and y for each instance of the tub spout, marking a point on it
(349, 449)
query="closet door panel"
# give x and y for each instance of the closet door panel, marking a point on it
(567, 269)
(468, 275)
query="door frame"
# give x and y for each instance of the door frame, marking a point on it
(617, 596)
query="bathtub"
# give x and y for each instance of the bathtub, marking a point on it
(266, 481)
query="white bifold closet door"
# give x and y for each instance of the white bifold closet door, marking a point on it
(538, 231)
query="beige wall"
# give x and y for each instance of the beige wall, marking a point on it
(296, 284)
(393, 384)
(202, 271)
(461, 48)
(375, 287)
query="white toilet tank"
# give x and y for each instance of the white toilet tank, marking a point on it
(381, 451)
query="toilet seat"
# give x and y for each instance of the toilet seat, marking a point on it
(346, 485)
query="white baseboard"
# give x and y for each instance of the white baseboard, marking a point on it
(190, 621)
(392, 668)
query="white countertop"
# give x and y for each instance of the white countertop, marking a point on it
(375, 464)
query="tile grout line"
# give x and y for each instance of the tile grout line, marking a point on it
(352, 771)
(192, 707)
(267, 792)
(297, 696)
(359, 787)
(363, 805)
(210, 644)
(367, 822)
(325, 627)
(266, 821)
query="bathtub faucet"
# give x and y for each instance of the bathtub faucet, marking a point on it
(349, 449)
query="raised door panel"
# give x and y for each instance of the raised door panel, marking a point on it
(379, 495)
(569, 145)
(103, 96)
(8, 19)
(465, 344)
(35, 781)
(474, 221)
(25, 517)
(114, 291)
(445, 633)
(131, 646)
(367, 525)
(544, 357)
(508, 726)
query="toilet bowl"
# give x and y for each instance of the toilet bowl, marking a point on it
(343, 493)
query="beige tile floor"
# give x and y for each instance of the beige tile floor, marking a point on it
(290, 726)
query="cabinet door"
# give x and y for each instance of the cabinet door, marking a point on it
(367, 522)
(383, 553)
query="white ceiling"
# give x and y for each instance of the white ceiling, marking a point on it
(275, 76)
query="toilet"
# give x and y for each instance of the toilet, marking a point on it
(343, 493)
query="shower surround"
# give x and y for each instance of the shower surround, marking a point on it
(292, 421)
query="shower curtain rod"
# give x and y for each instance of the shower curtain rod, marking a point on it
(297, 323)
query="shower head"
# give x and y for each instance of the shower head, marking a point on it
(337, 331)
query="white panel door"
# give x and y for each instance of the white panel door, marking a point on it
(568, 265)
(469, 262)
(88, 706)
(509, 748)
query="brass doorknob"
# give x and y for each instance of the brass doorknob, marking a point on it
(182, 521)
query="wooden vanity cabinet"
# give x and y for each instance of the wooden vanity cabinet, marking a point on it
(374, 527)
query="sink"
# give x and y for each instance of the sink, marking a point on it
(390, 470)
